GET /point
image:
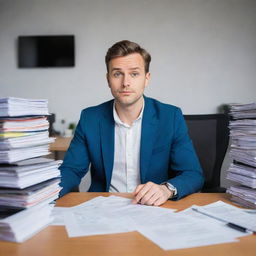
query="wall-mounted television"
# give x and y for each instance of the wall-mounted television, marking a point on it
(46, 51)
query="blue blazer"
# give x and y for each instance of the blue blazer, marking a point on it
(166, 152)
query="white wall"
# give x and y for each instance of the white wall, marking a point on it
(203, 51)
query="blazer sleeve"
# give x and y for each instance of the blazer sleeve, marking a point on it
(184, 161)
(76, 161)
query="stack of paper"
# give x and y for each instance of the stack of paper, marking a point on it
(15, 155)
(22, 175)
(29, 139)
(243, 195)
(23, 137)
(19, 124)
(243, 152)
(242, 111)
(30, 196)
(28, 182)
(22, 107)
(23, 224)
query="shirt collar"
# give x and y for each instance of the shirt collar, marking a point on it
(118, 120)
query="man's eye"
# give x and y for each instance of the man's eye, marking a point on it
(134, 74)
(117, 74)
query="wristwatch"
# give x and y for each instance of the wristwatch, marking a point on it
(171, 188)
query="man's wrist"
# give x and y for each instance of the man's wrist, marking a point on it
(170, 188)
(168, 191)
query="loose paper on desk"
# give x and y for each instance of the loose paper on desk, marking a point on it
(108, 215)
(186, 230)
(230, 214)
(169, 230)
(57, 216)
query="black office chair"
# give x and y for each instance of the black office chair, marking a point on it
(210, 136)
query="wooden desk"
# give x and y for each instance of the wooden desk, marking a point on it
(53, 240)
(60, 144)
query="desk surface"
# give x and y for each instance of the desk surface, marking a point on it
(53, 240)
(60, 144)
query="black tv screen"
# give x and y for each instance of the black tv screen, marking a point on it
(46, 51)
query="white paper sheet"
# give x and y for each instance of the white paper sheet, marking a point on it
(184, 232)
(107, 215)
(231, 214)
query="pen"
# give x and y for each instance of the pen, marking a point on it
(229, 224)
(237, 227)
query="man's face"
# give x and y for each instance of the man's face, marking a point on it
(127, 79)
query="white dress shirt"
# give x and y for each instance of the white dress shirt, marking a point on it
(126, 169)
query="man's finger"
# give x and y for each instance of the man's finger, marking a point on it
(159, 201)
(150, 201)
(141, 191)
(147, 196)
(137, 190)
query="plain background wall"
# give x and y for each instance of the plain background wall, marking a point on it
(203, 51)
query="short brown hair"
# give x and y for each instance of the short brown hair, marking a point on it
(124, 48)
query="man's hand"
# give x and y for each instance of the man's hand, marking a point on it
(151, 194)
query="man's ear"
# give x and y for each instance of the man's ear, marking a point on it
(107, 74)
(148, 75)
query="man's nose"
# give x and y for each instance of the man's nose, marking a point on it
(126, 80)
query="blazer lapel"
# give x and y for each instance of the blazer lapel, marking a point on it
(107, 132)
(148, 136)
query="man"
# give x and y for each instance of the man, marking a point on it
(133, 143)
